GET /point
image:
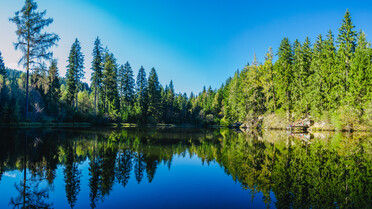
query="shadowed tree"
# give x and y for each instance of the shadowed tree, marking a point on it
(126, 84)
(32, 40)
(141, 90)
(97, 68)
(154, 95)
(75, 72)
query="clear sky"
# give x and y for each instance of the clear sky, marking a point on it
(192, 42)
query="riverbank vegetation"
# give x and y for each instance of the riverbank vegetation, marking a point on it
(329, 81)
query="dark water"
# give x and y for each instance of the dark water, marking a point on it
(183, 168)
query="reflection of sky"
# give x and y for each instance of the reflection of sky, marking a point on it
(188, 184)
(193, 42)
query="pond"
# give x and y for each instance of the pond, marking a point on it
(183, 168)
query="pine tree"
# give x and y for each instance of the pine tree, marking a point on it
(329, 75)
(53, 93)
(301, 72)
(110, 82)
(126, 84)
(285, 75)
(346, 43)
(97, 68)
(359, 80)
(268, 81)
(169, 102)
(74, 72)
(317, 77)
(154, 94)
(32, 41)
(142, 93)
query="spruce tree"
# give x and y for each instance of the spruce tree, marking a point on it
(154, 95)
(346, 43)
(269, 82)
(74, 72)
(110, 82)
(97, 68)
(53, 93)
(285, 75)
(32, 40)
(142, 93)
(329, 75)
(126, 84)
(359, 80)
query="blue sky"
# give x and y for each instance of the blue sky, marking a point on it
(192, 42)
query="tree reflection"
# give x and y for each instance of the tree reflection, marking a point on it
(94, 172)
(72, 174)
(139, 166)
(152, 162)
(322, 172)
(124, 166)
(31, 194)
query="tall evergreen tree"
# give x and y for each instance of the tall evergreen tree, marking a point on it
(97, 68)
(53, 93)
(360, 76)
(154, 94)
(346, 43)
(268, 81)
(53, 78)
(110, 82)
(285, 74)
(142, 93)
(32, 40)
(126, 84)
(74, 72)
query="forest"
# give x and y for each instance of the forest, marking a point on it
(329, 81)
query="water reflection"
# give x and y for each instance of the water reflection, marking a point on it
(299, 171)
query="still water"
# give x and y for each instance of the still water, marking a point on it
(183, 168)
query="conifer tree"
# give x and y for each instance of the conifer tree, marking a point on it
(268, 81)
(53, 93)
(154, 95)
(74, 72)
(126, 84)
(142, 92)
(32, 40)
(359, 80)
(110, 81)
(54, 85)
(285, 75)
(97, 68)
(329, 75)
(346, 43)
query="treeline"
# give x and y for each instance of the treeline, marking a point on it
(329, 81)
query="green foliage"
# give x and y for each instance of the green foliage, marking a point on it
(97, 68)
(126, 85)
(154, 95)
(33, 42)
(74, 73)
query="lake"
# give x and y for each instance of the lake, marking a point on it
(183, 168)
